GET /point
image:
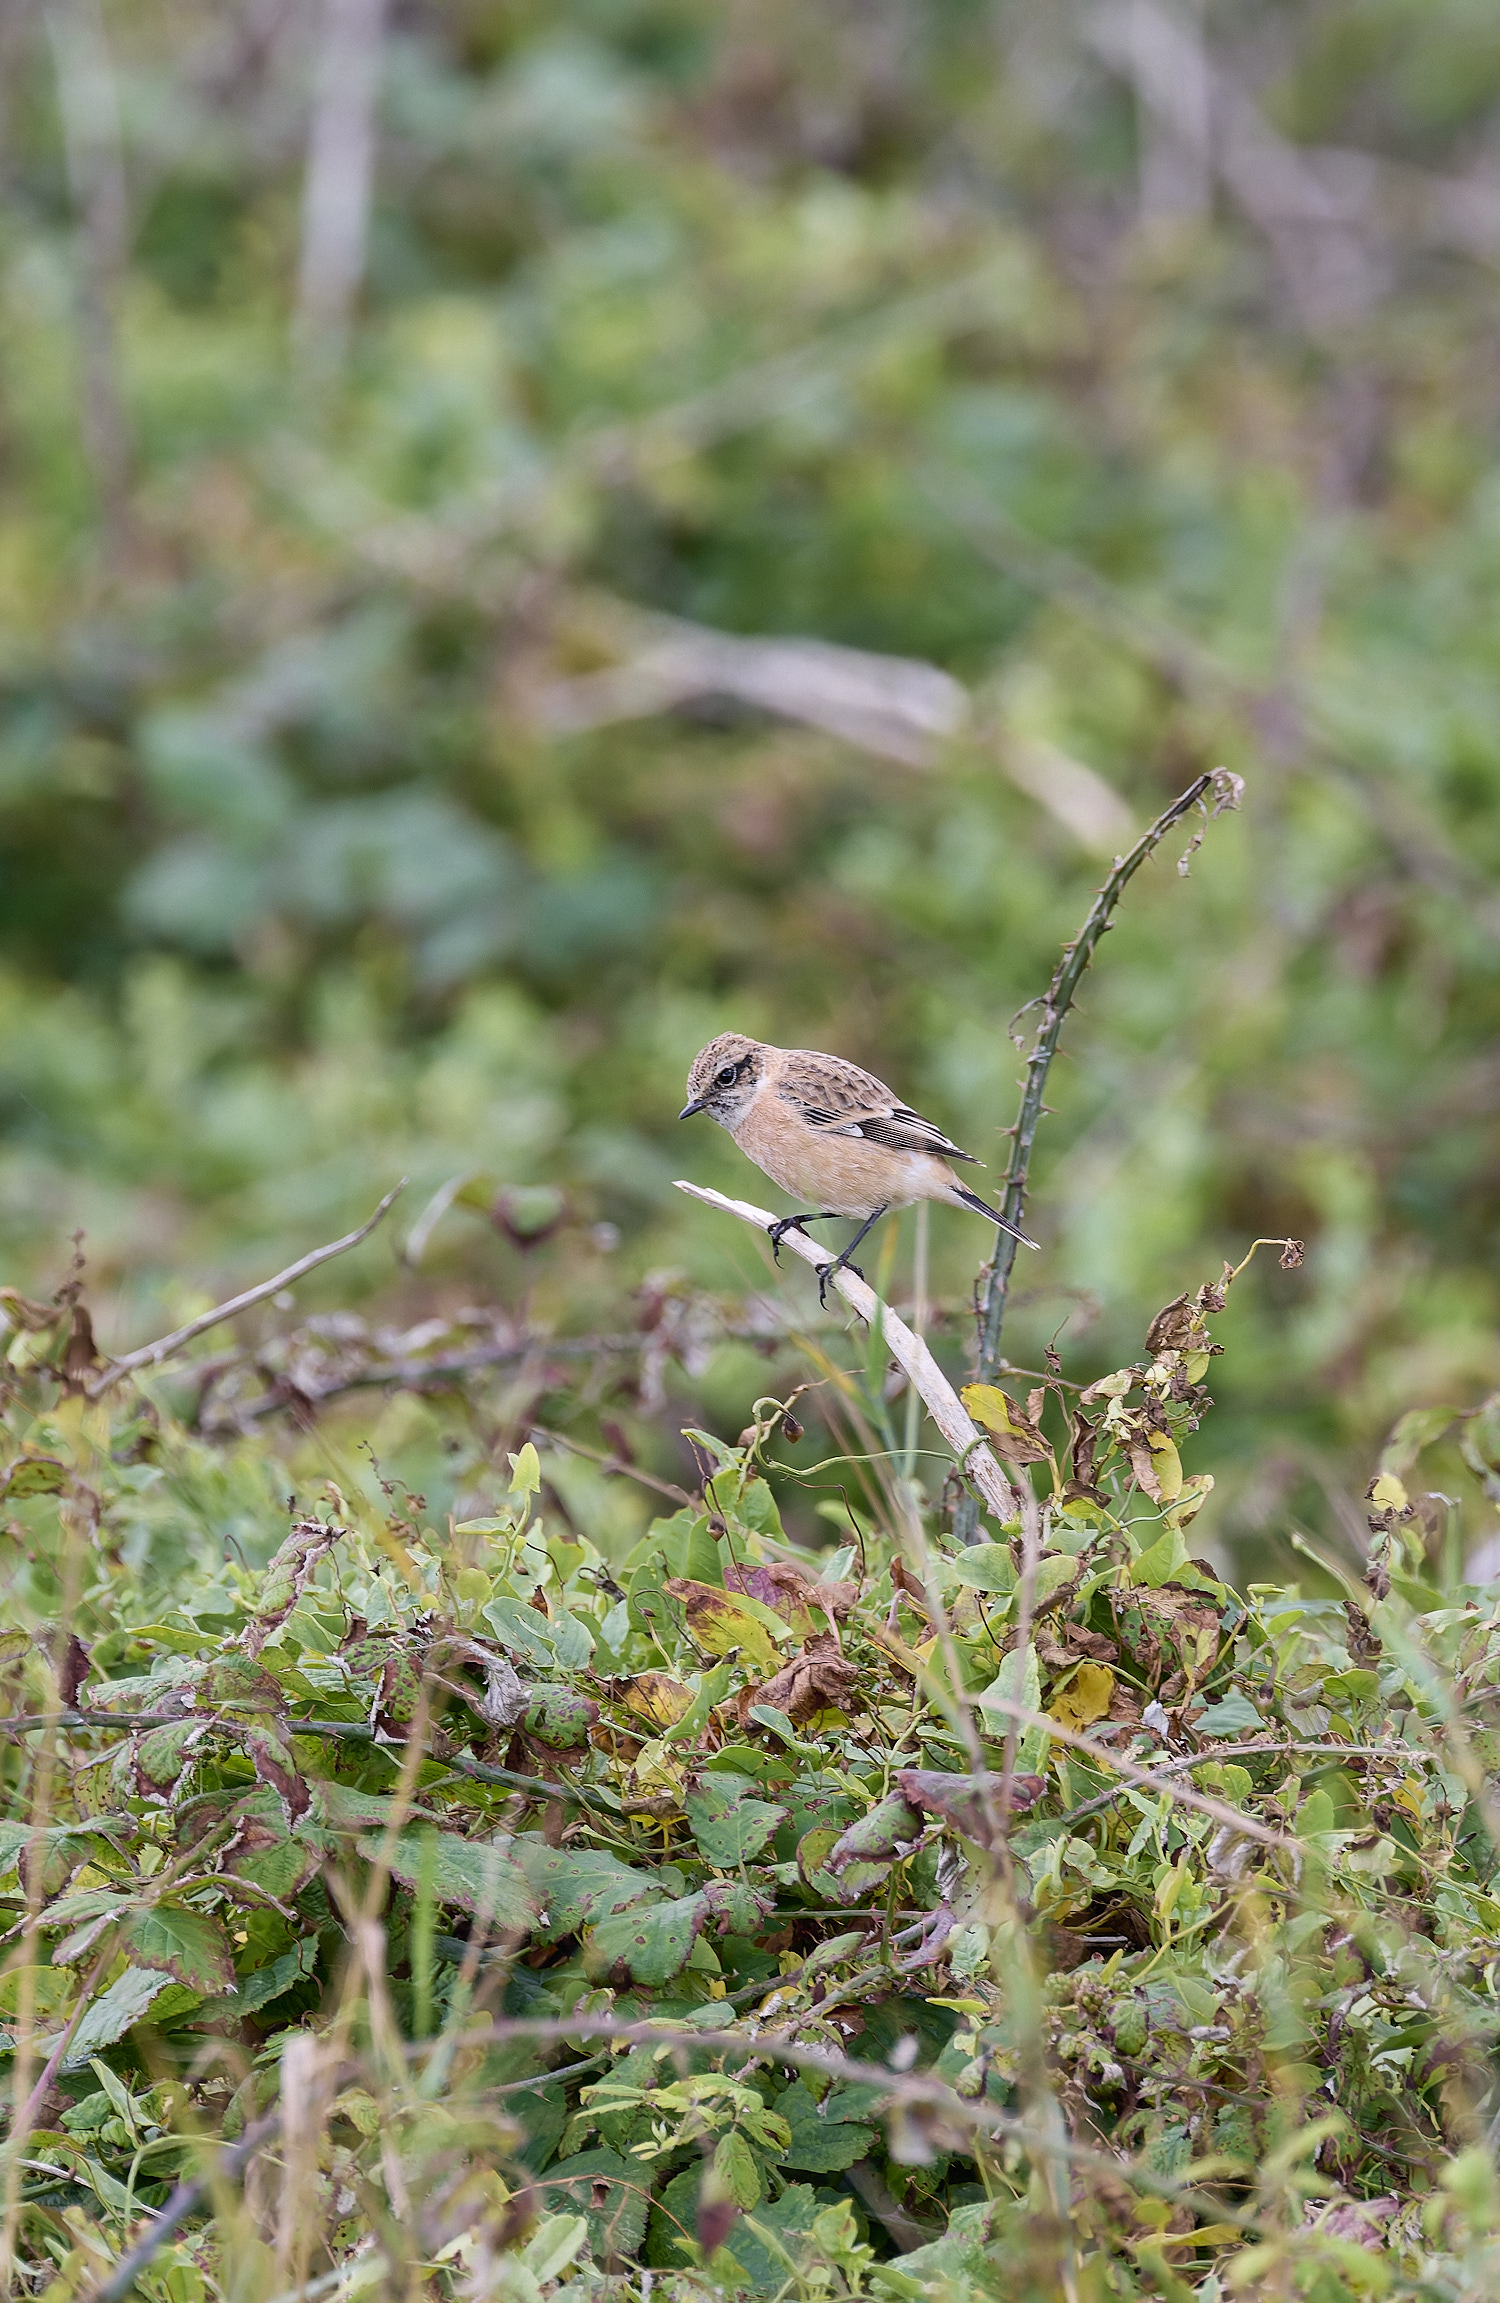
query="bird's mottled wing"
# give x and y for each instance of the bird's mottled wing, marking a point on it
(839, 1098)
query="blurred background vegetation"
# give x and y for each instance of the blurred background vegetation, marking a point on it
(422, 427)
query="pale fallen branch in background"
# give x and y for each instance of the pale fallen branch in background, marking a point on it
(1076, 795)
(152, 1354)
(896, 707)
(1334, 218)
(909, 1351)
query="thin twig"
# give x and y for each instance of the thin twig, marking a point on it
(1235, 1752)
(922, 2089)
(1234, 1819)
(184, 2201)
(615, 1464)
(911, 1353)
(152, 1354)
(327, 1730)
(1066, 978)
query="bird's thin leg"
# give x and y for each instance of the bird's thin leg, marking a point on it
(776, 1232)
(841, 1262)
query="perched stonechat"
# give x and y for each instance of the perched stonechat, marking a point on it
(829, 1132)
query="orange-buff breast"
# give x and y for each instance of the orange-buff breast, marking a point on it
(842, 1174)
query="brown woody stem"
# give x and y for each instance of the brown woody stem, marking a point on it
(1068, 974)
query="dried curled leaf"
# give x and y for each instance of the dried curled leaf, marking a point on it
(819, 1679)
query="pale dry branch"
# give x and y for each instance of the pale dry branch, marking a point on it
(152, 1354)
(909, 1351)
(894, 706)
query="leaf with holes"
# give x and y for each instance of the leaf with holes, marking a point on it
(32, 1475)
(577, 1886)
(651, 1945)
(723, 1624)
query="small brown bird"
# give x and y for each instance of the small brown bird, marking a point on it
(829, 1132)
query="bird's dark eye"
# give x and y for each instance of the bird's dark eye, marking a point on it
(727, 1076)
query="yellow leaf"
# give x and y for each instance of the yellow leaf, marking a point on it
(657, 1697)
(1109, 1387)
(656, 1767)
(1168, 1465)
(359, 2108)
(1086, 1697)
(1013, 1436)
(1206, 2235)
(720, 1623)
(892, 1644)
(1388, 1491)
(1170, 1888)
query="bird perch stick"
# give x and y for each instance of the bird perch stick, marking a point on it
(909, 1351)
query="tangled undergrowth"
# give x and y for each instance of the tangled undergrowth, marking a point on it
(460, 1910)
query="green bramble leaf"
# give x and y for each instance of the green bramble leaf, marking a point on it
(32, 1475)
(648, 1945)
(824, 2138)
(729, 1826)
(462, 1872)
(612, 2194)
(1230, 1716)
(115, 2011)
(184, 1944)
(574, 1887)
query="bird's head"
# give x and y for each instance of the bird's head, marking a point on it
(724, 1078)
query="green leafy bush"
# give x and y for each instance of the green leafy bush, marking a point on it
(893, 1918)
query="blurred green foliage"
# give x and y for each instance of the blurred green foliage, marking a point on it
(944, 333)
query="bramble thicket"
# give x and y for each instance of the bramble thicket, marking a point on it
(539, 1760)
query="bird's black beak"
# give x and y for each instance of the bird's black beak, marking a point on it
(698, 1104)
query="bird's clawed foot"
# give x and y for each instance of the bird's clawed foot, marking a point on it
(826, 1271)
(776, 1232)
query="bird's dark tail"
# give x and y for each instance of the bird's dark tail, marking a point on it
(981, 1207)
